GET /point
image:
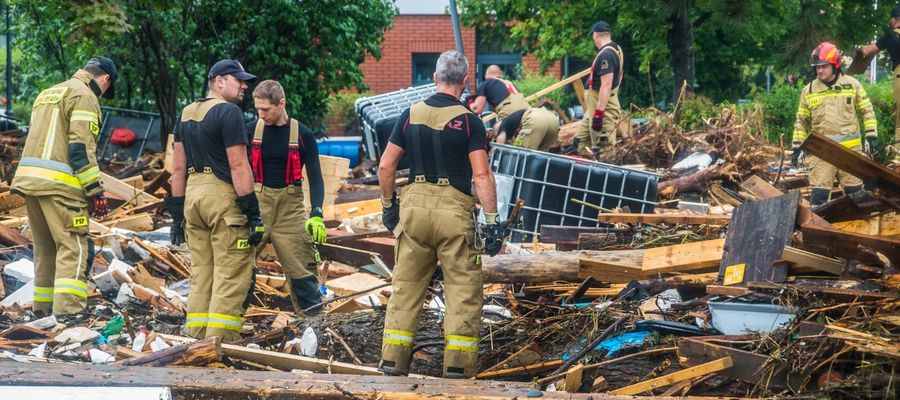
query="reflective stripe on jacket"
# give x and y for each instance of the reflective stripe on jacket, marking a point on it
(835, 111)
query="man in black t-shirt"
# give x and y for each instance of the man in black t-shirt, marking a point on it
(214, 205)
(890, 41)
(597, 132)
(280, 147)
(501, 94)
(447, 150)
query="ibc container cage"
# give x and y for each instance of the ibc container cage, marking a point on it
(378, 114)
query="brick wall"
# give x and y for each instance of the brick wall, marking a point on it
(531, 64)
(412, 34)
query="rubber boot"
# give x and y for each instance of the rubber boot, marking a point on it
(848, 190)
(818, 196)
(306, 291)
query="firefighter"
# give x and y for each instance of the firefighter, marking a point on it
(433, 222)
(532, 128)
(890, 41)
(59, 178)
(597, 132)
(500, 93)
(830, 105)
(279, 148)
(213, 204)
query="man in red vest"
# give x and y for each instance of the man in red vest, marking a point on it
(279, 148)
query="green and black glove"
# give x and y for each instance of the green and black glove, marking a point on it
(315, 227)
(249, 205)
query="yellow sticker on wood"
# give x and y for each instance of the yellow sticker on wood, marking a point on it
(734, 274)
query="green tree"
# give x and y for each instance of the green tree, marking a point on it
(164, 48)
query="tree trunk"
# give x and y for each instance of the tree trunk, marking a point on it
(541, 268)
(681, 47)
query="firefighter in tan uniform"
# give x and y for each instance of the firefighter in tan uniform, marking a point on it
(596, 135)
(533, 128)
(890, 41)
(214, 206)
(433, 221)
(59, 178)
(832, 105)
(281, 146)
(500, 93)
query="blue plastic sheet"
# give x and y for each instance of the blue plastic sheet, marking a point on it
(624, 341)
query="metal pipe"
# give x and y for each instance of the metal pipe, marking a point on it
(9, 97)
(457, 35)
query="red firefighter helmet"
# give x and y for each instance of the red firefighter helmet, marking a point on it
(825, 53)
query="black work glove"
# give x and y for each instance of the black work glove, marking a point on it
(871, 145)
(390, 213)
(597, 121)
(249, 205)
(570, 149)
(175, 207)
(795, 157)
(494, 236)
(99, 206)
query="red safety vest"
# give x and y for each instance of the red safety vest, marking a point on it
(294, 173)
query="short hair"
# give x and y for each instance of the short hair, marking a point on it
(270, 90)
(95, 70)
(452, 68)
(494, 70)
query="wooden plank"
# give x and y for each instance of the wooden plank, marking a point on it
(764, 190)
(346, 255)
(136, 181)
(747, 366)
(675, 218)
(187, 382)
(343, 211)
(683, 257)
(289, 362)
(675, 377)
(540, 268)
(853, 163)
(803, 258)
(756, 237)
(596, 241)
(847, 208)
(561, 234)
(198, 353)
(528, 369)
(124, 191)
(573, 379)
(727, 290)
(620, 266)
(11, 201)
(835, 243)
(887, 225)
(334, 172)
(137, 223)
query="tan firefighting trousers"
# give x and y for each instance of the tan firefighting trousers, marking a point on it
(221, 258)
(284, 215)
(822, 174)
(606, 137)
(59, 229)
(539, 129)
(435, 225)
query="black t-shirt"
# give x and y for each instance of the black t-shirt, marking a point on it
(494, 90)
(607, 63)
(890, 42)
(275, 156)
(461, 136)
(512, 124)
(205, 141)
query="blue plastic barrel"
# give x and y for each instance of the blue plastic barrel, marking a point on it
(341, 146)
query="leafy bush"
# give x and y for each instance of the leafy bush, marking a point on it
(342, 111)
(694, 111)
(779, 110)
(531, 83)
(882, 97)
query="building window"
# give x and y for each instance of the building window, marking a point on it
(423, 66)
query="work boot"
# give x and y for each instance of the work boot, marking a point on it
(306, 292)
(818, 196)
(389, 368)
(848, 190)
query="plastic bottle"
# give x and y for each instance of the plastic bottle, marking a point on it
(139, 341)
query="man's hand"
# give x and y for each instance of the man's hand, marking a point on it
(315, 227)
(175, 207)
(390, 213)
(597, 121)
(494, 234)
(99, 206)
(871, 145)
(249, 205)
(795, 157)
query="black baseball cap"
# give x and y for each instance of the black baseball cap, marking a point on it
(895, 13)
(230, 67)
(108, 66)
(600, 26)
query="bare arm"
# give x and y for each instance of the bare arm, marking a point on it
(478, 105)
(387, 169)
(605, 90)
(485, 188)
(869, 49)
(241, 174)
(179, 171)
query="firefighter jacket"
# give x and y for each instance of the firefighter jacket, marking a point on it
(60, 151)
(833, 111)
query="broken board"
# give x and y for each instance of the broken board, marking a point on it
(756, 237)
(853, 163)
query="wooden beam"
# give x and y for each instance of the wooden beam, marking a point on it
(549, 89)
(675, 377)
(124, 191)
(533, 268)
(748, 366)
(886, 225)
(837, 243)
(853, 163)
(199, 353)
(619, 266)
(764, 190)
(288, 362)
(528, 369)
(573, 379)
(137, 223)
(806, 259)
(695, 256)
(679, 218)
(343, 211)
